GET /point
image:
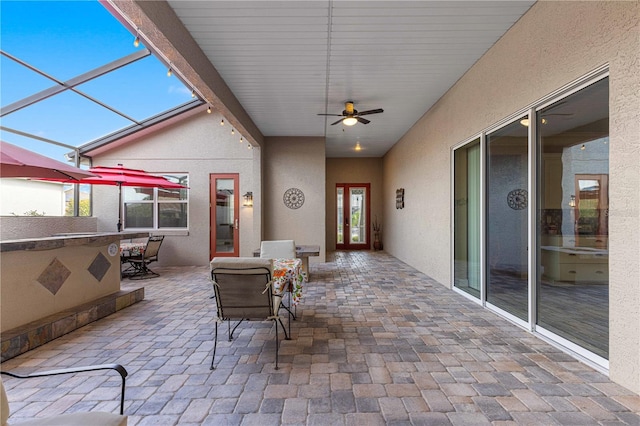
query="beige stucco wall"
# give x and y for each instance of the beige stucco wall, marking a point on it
(25, 299)
(198, 146)
(353, 170)
(552, 45)
(291, 162)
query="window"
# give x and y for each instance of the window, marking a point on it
(157, 208)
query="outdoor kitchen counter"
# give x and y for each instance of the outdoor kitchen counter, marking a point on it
(67, 240)
(41, 277)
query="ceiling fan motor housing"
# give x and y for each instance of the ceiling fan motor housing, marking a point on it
(348, 109)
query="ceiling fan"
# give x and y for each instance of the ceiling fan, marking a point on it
(350, 116)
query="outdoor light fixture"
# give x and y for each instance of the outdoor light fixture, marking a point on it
(169, 72)
(572, 201)
(233, 132)
(358, 147)
(241, 140)
(248, 199)
(349, 121)
(222, 122)
(209, 110)
(136, 42)
(193, 93)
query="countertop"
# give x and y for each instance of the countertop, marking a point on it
(68, 240)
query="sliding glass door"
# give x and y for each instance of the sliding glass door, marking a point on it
(466, 245)
(507, 219)
(573, 213)
(540, 259)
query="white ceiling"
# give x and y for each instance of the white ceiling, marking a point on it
(288, 61)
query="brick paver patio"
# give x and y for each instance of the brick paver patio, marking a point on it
(376, 342)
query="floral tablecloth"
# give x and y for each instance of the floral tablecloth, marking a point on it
(287, 271)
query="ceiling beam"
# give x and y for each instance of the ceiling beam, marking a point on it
(161, 31)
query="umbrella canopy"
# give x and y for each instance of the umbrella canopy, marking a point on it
(122, 176)
(16, 162)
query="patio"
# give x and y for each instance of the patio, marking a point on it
(376, 342)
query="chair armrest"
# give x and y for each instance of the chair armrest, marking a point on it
(117, 367)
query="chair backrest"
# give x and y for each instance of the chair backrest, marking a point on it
(278, 249)
(240, 286)
(153, 247)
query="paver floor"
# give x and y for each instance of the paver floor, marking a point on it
(376, 342)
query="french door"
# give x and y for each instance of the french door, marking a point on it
(353, 216)
(224, 214)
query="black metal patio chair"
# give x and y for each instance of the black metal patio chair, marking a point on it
(139, 265)
(80, 418)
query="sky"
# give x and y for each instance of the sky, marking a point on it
(65, 39)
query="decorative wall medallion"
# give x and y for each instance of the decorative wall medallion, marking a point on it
(113, 249)
(293, 198)
(517, 199)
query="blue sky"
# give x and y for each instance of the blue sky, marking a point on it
(65, 39)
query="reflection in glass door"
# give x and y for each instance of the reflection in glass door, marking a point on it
(466, 245)
(507, 219)
(224, 215)
(352, 216)
(573, 287)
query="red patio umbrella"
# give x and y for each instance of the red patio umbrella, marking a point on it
(122, 176)
(17, 162)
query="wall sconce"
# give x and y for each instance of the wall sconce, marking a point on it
(248, 199)
(572, 201)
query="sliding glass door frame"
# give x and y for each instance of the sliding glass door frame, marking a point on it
(533, 227)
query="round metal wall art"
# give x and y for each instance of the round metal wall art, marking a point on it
(517, 199)
(293, 198)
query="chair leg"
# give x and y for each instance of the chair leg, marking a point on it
(215, 346)
(278, 342)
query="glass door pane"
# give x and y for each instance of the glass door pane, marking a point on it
(573, 287)
(507, 219)
(358, 219)
(340, 215)
(224, 215)
(466, 209)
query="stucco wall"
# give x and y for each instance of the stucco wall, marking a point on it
(20, 227)
(198, 146)
(552, 45)
(291, 162)
(353, 170)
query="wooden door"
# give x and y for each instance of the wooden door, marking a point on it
(353, 216)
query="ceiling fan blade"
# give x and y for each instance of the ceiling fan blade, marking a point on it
(339, 121)
(332, 115)
(371, 111)
(363, 120)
